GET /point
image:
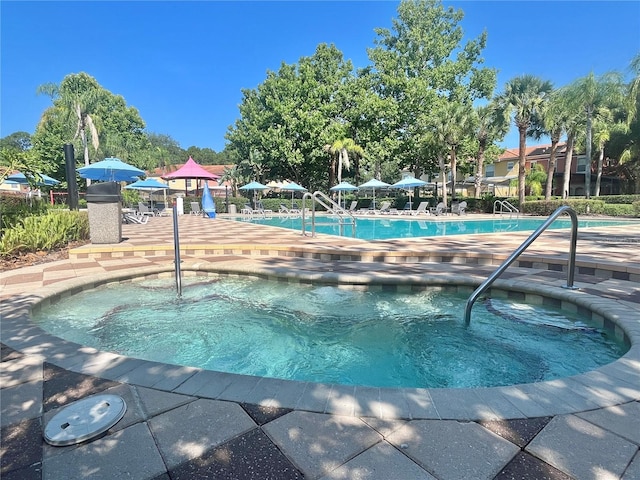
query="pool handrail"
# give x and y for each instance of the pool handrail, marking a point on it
(505, 205)
(570, 266)
(344, 216)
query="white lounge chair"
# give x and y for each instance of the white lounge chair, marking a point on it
(143, 209)
(459, 208)
(385, 207)
(423, 208)
(439, 209)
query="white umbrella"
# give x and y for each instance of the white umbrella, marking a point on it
(373, 184)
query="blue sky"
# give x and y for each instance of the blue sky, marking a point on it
(183, 64)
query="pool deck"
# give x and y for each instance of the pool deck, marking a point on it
(183, 423)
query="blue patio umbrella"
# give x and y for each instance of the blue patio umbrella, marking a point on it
(408, 183)
(111, 170)
(255, 186)
(292, 187)
(41, 180)
(149, 184)
(343, 187)
(373, 184)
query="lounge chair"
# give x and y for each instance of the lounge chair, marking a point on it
(384, 208)
(352, 207)
(135, 218)
(265, 212)
(247, 210)
(459, 208)
(143, 209)
(423, 208)
(195, 208)
(439, 209)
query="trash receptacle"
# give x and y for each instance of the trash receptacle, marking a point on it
(232, 209)
(105, 212)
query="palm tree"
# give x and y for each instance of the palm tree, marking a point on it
(233, 176)
(525, 96)
(340, 150)
(591, 94)
(78, 95)
(491, 125)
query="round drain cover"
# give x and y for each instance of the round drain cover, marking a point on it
(84, 419)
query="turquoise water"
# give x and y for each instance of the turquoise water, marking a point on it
(329, 334)
(390, 227)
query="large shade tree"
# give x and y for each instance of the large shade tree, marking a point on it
(420, 65)
(525, 96)
(490, 125)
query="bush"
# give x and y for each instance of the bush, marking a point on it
(45, 232)
(14, 208)
(581, 206)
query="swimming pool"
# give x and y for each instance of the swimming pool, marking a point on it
(390, 227)
(323, 333)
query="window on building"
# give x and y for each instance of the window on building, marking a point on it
(510, 166)
(581, 166)
(490, 170)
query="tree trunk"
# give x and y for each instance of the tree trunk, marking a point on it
(567, 165)
(599, 175)
(552, 167)
(85, 146)
(443, 175)
(587, 170)
(479, 170)
(522, 158)
(454, 166)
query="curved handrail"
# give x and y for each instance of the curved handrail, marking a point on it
(570, 267)
(505, 205)
(330, 206)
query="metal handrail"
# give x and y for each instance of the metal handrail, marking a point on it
(505, 205)
(570, 267)
(329, 205)
(176, 252)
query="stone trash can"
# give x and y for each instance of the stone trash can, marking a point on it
(232, 209)
(105, 212)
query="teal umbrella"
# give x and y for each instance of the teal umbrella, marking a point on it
(255, 186)
(22, 179)
(293, 187)
(408, 183)
(111, 170)
(150, 185)
(373, 184)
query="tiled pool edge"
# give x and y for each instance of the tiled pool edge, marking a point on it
(609, 385)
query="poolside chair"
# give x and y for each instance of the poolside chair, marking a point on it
(265, 212)
(459, 208)
(143, 209)
(135, 218)
(423, 208)
(247, 210)
(195, 208)
(385, 207)
(439, 209)
(352, 207)
(406, 210)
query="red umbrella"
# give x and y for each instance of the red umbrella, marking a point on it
(191, 170)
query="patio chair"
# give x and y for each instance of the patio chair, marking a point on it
(385, 207)
(423, 208)
(459, 208)
(247, 210)
(143, 209)
(195, 208)
(439, 209)
(135, 218)
(352, 207)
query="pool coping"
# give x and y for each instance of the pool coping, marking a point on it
(613, 384)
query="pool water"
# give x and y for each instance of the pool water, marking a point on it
(388, 227)
(330, 334)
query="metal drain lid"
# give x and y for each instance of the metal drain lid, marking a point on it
(84, 419)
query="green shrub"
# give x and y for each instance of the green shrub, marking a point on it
(45, 232)
(581, 206)
(628, 199)
(618, 210)
(636, 208)
(14, 208)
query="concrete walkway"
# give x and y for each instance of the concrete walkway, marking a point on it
(183, 423)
